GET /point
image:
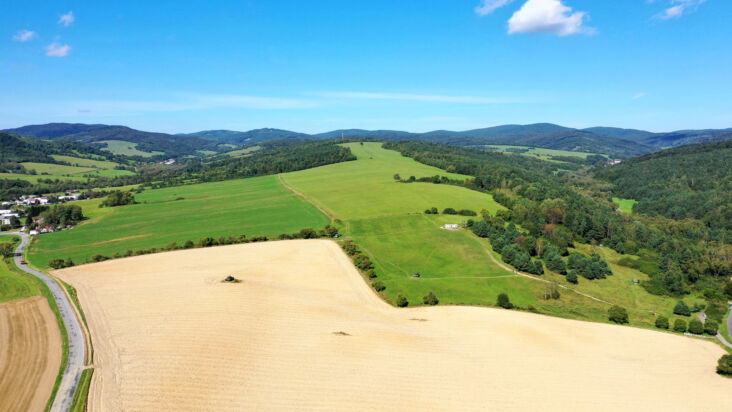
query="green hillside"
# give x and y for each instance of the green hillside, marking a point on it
(256, 206)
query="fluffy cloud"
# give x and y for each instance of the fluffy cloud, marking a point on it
(66, 19)
(56, 49)
(547, 16)
(678, 8)
(488, 6)
(24, 35)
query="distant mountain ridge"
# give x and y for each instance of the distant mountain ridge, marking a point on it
(170, 145)
(612, 141)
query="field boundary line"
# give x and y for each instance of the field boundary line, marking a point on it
(330, 215)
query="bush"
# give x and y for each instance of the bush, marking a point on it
(57, 263)
(7, 250)
(618, 314)
(118, 198)
(724, 365)
(362, 262)
(662, 322)
(308, 233)
(504, 301)
(350, 248)
(680, 325)
(69, 263)
(370, 274)
(728, 289)
(402, 301)
(467, 212)
(682, 309)
(572, 276)
(449, 211)
(378, 285)
(430, 299)
(696, 326)
(188, 244)
(99, 258)
(711, 327)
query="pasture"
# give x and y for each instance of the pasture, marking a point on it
(84, 162)
(303, 329)
(54, 169)
(538, 151)
(625, 205)
(122, 147)
(256, 206)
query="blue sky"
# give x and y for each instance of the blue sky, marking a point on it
(314, 66)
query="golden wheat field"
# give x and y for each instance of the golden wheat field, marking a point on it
(304, 331)
(30, 354)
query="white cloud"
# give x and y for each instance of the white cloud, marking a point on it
(66, 19)
(489, 6)
(57, 49)
(678, 8)
(24, 35)
(416, 97)
(547, 16)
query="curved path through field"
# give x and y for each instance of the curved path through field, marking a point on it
(302, 330)
(77, 343)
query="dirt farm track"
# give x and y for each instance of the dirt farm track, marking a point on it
(304, 331)
(30, 354)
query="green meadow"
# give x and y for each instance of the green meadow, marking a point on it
(121, 147)
(35, 178)
(256, 206)
(625, 205)
(15, 284)
(54, 169)
(538, 151)
(84, 162)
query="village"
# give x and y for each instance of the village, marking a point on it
(26, 213)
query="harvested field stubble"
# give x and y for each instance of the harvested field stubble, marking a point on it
(303, 331)
(30, 354)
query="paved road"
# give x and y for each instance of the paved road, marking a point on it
(703, 317)
(77, 344)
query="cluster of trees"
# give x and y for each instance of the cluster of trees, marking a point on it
(450, 211)
(60, 263)
(618, 314)
(566, 207)
(62, 215)
(513, 246)
(7, 249)
(118, 198)
(593, 267)
(363, 262)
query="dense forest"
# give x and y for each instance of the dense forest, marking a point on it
(556, 210)
(692, 181)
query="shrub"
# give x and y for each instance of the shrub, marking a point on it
(69, 263)
(99, 258)
(118, 198)
(402, 301)
(172, 246)
(308, 233)
(618, 314)
(662, 322)
(711, 327)
(572, 276)
(724, 365)
(187, 245)
(349, 247)
(57, 263)
(680, 325)
(207, 241)
(682, 309)
(7, 250)
(504, 301)
(728, 289)
(449, 211)
(467, 212)
(430, 299)
(696, 326)
(378, 285)
(362, 262)
(370, 273)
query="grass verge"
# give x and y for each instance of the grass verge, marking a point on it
(82, 391)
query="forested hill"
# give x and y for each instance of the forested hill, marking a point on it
(690, 181)
(170, 145)
(16, 149)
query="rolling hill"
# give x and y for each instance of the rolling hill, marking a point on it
(170, 145)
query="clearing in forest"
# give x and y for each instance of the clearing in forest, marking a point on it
(302, 328)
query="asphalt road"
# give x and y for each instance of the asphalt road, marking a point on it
(77, 344)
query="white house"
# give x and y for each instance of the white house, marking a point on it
(451, 226)
(6, 219)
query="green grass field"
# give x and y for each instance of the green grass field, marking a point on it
(625, 205)
(14, 284)
(245, 151)
(122, 147)
(539, 152)
(256, 206)
(83, 162)
(35, 178)
(54, 169)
